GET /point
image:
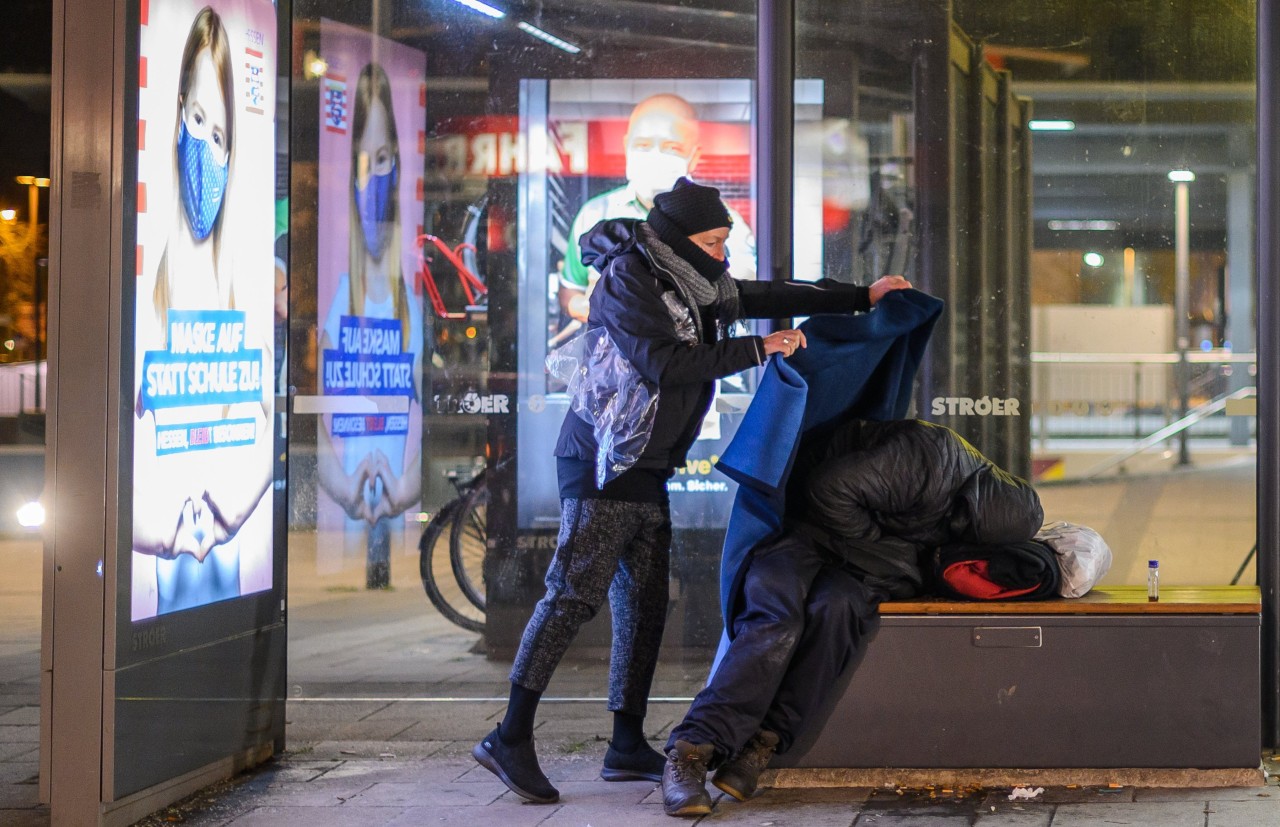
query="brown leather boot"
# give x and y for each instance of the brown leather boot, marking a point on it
(740, 774)
(684, 779)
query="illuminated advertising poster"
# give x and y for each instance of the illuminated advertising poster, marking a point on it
(638, 147)
(371, 146)
(203, 394)
(611, 145)
(585, 150)
(638, 144)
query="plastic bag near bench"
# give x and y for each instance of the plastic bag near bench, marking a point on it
(1084, 558)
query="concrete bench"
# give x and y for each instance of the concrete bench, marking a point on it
(1107, 680)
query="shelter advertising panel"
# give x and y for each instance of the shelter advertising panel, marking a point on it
(203, 390)
(197, 661)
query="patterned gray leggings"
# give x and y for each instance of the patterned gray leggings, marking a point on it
(621, 549)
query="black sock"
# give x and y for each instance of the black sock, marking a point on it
(517, 724)
(628, 732)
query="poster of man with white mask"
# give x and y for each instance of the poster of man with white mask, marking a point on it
(667, 135)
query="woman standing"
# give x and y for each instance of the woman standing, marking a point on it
(666, 300)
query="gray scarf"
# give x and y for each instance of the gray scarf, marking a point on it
(693, 287)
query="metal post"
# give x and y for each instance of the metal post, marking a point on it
(35, 275)
(1137, 401)
(1268, 333)
(936, 154)
(33, 204)
(773, 136)
(1238, 301)
(81, 458)
(1182, 282)
(1047, 398)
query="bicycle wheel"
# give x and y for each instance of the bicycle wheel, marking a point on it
(468, 542)
(438, 579)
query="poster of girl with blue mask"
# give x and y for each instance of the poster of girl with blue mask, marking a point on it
(204, 388)
(370, 330)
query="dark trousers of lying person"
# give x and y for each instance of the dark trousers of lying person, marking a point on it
(798, 625)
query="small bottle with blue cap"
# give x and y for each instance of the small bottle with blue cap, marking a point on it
(1153, 580)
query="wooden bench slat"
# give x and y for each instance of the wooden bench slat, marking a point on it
(1106, 600)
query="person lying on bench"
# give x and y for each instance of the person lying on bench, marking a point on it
(884, 495)
(871, 500)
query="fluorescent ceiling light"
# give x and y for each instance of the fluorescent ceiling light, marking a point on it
(1092, 224)
(1181, 176)
(1051, 126)
(483, 8)
(547, 38)
(1093, 259)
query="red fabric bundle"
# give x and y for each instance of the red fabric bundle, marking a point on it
(971, 578)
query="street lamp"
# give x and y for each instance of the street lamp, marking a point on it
(33, 185)
(1181, 179)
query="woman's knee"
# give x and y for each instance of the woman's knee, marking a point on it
(571, 604)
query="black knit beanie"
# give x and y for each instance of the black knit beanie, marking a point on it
(693, 208)
(689, 209)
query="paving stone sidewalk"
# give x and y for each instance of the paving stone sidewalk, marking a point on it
(406, 782)
(367, 745)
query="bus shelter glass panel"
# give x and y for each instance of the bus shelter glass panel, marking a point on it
(446, 160)
(24, 257)
(1076, 181)
(1141, 274)
(854, 181)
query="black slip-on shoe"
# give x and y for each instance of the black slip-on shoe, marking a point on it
(642, 764)
(517, 766)
(684, 779)
(740, 775)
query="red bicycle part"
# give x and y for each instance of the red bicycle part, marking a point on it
(472, 286)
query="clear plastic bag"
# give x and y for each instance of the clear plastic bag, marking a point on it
(608, 393)
(1083, 556)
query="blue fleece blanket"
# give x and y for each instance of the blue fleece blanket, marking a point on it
(854, 366)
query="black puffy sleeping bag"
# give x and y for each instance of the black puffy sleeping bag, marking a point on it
(882, 496)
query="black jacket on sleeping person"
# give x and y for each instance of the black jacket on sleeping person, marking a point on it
(638, 301)
(882, 496)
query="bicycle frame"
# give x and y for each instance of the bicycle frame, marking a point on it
(472, 286)
(452, 523)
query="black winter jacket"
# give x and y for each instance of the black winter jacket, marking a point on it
(638, 302)
(886, 494)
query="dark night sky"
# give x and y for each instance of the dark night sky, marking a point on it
(26, 48)
(26, 36)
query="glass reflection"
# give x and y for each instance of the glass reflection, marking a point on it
(1142, 336)
(1013, 161)
(580, 113)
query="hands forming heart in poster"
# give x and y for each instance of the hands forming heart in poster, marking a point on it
(376, 491)
(197, 530)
